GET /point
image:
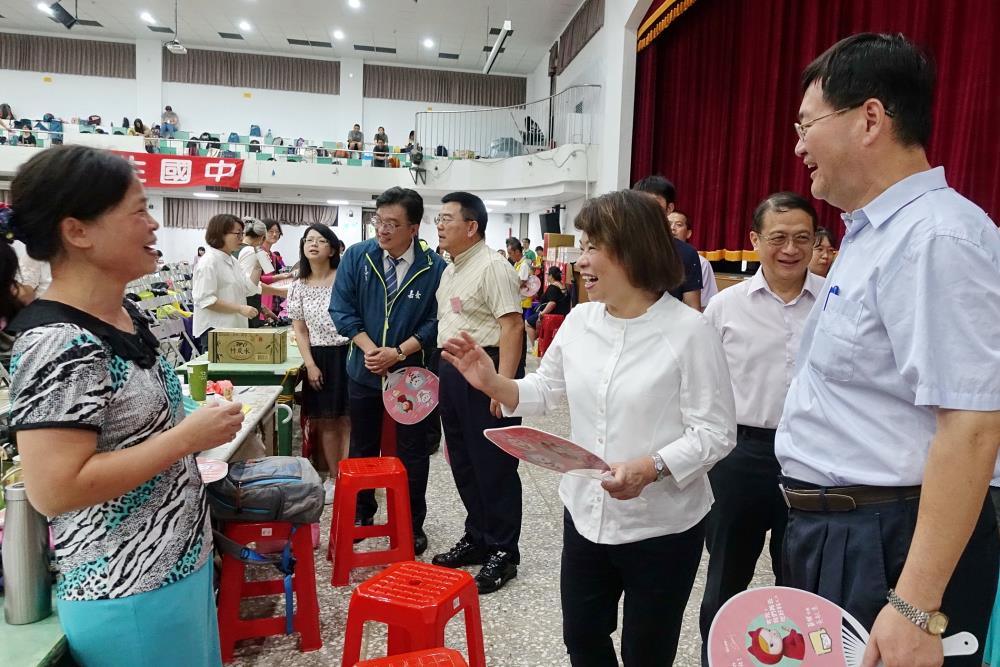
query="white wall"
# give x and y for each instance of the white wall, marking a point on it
(220, 109)
(148, 71)
(33, 94)
(538, 81)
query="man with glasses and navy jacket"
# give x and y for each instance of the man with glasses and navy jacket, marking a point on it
(384, 301)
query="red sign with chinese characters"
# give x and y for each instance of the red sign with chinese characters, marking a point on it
(184, 171)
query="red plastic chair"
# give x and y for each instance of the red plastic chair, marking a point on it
(548, 325)
(354, 475)
(416, 600)
(435, 657)
(233, 587)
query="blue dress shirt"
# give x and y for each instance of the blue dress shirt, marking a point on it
(908, 321)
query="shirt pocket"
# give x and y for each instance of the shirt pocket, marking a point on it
(835, 342)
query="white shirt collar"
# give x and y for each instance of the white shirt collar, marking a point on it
(405, 257)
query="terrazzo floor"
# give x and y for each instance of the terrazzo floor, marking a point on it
(521, 622)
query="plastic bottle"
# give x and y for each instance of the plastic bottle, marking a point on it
(268, 138)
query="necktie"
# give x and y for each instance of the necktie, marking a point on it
(390, 275)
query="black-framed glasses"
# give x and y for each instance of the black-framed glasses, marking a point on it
(320, 241)
(238, 233)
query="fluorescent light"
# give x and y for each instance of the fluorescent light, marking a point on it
(245, 26)
(354, 4)
(338, 34)
(148, 18)
(489, 210)
(206, 195)
(494, 202)
(42, 7)
(337, 202)
(428, 43)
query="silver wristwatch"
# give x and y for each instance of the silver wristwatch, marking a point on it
(931, 622)
(661, 467)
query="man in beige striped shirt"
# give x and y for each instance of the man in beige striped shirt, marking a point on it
(479, 294)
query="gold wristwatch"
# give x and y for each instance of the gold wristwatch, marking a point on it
(931, 622)
(401, 356)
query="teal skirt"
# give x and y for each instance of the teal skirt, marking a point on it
(991, 654)
(174, 625)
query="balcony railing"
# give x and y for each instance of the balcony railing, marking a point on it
(570, 117)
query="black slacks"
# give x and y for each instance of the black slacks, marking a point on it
(747, 505)
(367, 409)
(485, 475)
(854, 558)
(655, 575)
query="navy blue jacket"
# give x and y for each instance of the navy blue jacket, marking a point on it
(359, 304)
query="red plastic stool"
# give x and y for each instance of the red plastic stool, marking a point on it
(436, 657)
(385, 472)
(416, 600)
(547, 328)
(233, 587)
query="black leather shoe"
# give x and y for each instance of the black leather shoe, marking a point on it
(463, 553)
(370, 521)
(499, 569)
(419, 542)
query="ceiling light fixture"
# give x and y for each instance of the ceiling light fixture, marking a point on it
(498, 45)
(42, 7)
(148, 18)
(205, 195)
(338, 34)
(245, 26)
(337, 202)
(428, 43)
(494, 202)
(354, 4)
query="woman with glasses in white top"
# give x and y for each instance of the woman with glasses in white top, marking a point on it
(649, 392)
(324, 350)
(221, 288)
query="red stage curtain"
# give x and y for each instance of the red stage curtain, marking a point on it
(717, 93)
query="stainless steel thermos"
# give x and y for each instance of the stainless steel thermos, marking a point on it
(27, 584)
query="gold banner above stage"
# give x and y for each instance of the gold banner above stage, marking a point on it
(658, 18)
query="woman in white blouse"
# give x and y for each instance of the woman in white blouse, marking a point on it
(324, 351)
(220, 288)
(648, 391)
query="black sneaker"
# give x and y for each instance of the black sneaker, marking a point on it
(499, 569)
(463, 553)
(361, 521)
(419, 541)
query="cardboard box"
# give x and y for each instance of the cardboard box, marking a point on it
(248, 346)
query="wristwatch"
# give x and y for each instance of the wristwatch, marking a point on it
(931, 622)
(399, 351)
(661, 467)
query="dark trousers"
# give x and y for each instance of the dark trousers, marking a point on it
(854, 558)
(485, 475)
(367, 409)
(656, 576)
(748, 504)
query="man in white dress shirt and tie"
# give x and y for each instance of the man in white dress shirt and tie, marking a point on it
(889, 434)
(760, 321)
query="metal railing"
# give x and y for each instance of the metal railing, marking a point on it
(569, 117)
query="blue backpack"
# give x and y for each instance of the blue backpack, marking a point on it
(255, 130)
(234, 138)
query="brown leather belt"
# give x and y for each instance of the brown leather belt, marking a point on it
(845, 498)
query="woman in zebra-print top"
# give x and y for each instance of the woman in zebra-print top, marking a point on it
(100, 425)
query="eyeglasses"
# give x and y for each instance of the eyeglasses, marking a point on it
(802, 128)
(442, 220)
(382, 225)
(779, 240)
(316, 241)
(237, 233)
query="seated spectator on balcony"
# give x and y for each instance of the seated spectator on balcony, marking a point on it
(411, 142)
(381, 134)
(139, 129)
(380, 153)
(54, 127)
(532, 135)
(169, 122)
(27, 138)
(356, 139)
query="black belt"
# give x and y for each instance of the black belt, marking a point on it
(845, 498)
(755, 432)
